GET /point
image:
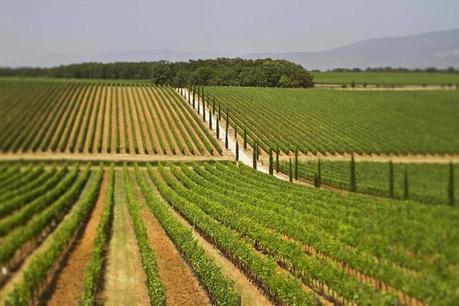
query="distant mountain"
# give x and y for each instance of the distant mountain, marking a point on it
(118, 56)
(434, 49)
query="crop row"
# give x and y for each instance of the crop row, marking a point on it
(337, 122)
(95, 117)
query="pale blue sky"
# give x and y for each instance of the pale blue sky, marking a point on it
(40, 27)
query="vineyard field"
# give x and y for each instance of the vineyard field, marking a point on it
(428, 183)
(285, 243)
(387, 78)
(99, 117)
(329, 121)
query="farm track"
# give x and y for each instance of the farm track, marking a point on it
(182, 287)
(69, 282)
(250, 294)
(108, 157)
(125, 280)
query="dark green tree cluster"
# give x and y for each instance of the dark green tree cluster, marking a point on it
(221, 71)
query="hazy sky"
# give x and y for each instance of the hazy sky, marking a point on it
(30, 28)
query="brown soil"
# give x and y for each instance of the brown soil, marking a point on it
(100, 123)
(165, 128)
(107, 117)
(108, 157)
(214, 120)
(182, 287)
(92, 120)
(127, 116)
(121, 131)
(150, 127)
(175, 111)
(188, 111)
(250, 294)
(83, 98)
(125, 280)
(359, 87)
(173, 114)
(383, 158)
(148, 120)
(69, 282)
(86, 116)
(138, 123)
(154, 108)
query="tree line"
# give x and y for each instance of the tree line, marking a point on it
(222, 71)
(393, 69)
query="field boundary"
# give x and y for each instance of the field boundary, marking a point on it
(108, 157)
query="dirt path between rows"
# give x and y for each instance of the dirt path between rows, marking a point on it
(106, 141)
(69, 283)
(137, 123)
(125, 280)
(182, 287)
(165, 127)
(250, 295)
(384, 87)
(91, 120)
(150, 127)
(130, 131)
(100, 122)
(108, 157)
(382, 158)
(121, 118)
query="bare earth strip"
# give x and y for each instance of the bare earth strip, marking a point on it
(99, 124)
(73, 117)
(107, 157)
(250, 295)
(160, 132)
(124, 279)
(121, 131)
(127, 116)
(107, 117)
(182, 287)
(69, 282)
(135, 124)
(18, 276)
(384, 87)
(91, 119)
(165, 128)
(148, 120)
(73, 132)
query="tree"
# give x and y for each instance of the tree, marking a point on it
(406, 194)
(210, 118)
(352, 182)
(237, 150)
(194, 97)
(391, 179)
(277, 160)
(451, 196)
(226, 138)
(271, 172)
(296, 164)
(203, 108)
(254, 155)
(290, 174)
(245, 138)
(318, 175)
